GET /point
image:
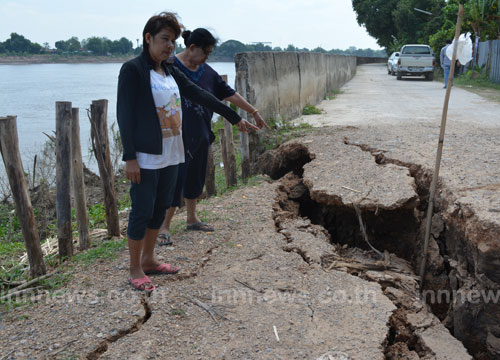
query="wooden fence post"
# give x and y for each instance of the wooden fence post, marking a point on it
(210, 178)
(241, 87)
(223, 148)
(63, 176)
(231, 159)
(9, 147)
(78, 182)
(100, 144)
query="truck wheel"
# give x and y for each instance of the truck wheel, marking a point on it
(429, 77)
(399, 76)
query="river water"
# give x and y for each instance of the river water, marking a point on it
(31, 91)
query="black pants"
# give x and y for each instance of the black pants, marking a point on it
(192, 173)
(150, 200)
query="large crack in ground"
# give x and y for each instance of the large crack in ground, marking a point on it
(103, 346)
(453, 271)
(412, 326)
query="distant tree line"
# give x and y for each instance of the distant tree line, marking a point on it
(97, 45)
(18, 44)
(231, 47)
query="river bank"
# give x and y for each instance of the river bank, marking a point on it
(78, 59)
(62, 59)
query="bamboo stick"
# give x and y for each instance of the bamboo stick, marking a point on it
(439, 154)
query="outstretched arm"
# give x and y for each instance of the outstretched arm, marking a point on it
(240, 102)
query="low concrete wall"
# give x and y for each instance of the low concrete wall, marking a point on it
(280, 84)
(370, 60)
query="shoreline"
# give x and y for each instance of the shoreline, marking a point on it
(76, 59)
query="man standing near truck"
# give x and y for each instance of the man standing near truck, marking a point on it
(445, 62)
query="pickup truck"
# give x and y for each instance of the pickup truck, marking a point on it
(416, 60)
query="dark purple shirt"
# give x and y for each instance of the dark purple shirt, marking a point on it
(197, 119)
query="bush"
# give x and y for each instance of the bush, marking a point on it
(310, 110)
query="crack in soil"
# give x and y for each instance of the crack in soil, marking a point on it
(298, 251)
(104, 345)
(148, 312)
(453, 265)
(294, 200)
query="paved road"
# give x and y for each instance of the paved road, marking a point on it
(373, 97)
(403, 118)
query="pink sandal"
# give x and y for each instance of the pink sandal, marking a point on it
(138, 284)
(163, 269)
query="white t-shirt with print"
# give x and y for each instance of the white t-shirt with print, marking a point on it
(168, 106)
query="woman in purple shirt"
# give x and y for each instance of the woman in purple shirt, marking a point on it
(196, 127)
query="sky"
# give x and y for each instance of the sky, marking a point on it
(305, 23)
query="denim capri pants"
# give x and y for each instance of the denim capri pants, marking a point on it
(150, 200)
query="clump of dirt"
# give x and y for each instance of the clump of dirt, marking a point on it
(289, 157)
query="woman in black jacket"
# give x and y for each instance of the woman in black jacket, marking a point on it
(149, 117)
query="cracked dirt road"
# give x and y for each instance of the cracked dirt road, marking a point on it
(397, 123)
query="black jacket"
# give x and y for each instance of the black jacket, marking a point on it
(136, 111)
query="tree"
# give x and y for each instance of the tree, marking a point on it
(19, 44)
(396, 21)
(122, 46)
(414, 26)
(484, 18)
(376, 17)
(230, 48)
(61, 45)
(319, 49)
(73, 44)
(98, 46)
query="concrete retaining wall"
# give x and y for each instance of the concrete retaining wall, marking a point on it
(370, 60)
(280, 84)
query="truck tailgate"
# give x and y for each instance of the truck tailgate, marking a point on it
(416, 60)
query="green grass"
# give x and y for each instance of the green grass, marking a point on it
(10, 228)
(333, 94)
(178, 312)
(105, 250)
(97, 216)
(283, 131)
(310, 110)
(124, 202)
(482, 82)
